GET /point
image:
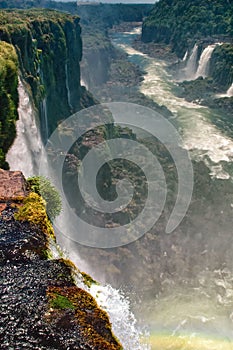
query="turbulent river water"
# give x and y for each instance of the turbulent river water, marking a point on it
(197, 314)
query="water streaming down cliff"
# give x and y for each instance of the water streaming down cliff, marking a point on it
(185, 56)
(44, 116)
(25, 155)
(190, 69)
(68, 88)
(194, 312)
(83, 83)
(194, 68)
(203, 64)
(200, 136)
(27, 148)
(230, 91)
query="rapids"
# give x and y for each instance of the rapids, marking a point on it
(197, 313)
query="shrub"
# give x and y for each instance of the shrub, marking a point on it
(43, 187)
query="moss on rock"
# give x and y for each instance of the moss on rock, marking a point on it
(33, 210)
(49, 47)
(94, 324)
(8, 98)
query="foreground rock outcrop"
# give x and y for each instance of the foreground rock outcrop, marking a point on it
(41, 306)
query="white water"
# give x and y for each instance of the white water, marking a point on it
(191, 67)
(230, 91)
(25, 155)
(68, 87)
(44, 114)
(203, 64)
(83, 83)
(117, 306)
(27, 148)
(185, 56)
(203, 139)
(193, 314)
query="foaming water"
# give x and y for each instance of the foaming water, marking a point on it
(197, 317)
(203, 64)
(195, 313)
(113, 301)
(190, 69)
(27, 148)
(123, 321)
(200, 136)
(230, 91)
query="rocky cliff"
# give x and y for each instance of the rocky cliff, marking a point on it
(49, 49)
(41, 307)
(181, 23)
(8, 98)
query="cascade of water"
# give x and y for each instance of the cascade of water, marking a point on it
(25, 156)
(203, 64)
(185, 56)
(68, 88)
(44, 115)
(25, 152)
(191, 66)
(230, 91)
(83, 83)
(122, 319)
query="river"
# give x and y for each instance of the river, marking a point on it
(197, 313)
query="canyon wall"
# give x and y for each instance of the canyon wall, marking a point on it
(49, 49)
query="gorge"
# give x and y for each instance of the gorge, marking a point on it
(180, 285)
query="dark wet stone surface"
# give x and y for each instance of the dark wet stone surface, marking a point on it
(26, 275)
(19, 241)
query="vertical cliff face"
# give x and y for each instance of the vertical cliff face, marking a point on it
(49, 49)
(8, 98)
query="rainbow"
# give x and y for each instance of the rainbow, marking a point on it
(188, 342)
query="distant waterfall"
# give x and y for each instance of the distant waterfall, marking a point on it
(191, 66)
(27, 148)
(203, 64)
(44, 118)
(185, 56)
(83, 83)
(230, 91)
(68, 88)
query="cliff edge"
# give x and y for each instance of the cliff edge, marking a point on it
(42, 307)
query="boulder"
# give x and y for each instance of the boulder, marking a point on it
(12, 186)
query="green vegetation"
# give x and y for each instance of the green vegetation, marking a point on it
(33, 210)
(61, 302)
(43, 187)
(181, 22)
(94, 325)
(221, 66)
(49, 48)
(88, 280)
(8, 98)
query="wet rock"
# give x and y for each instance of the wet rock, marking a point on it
(41, 306)
(12, 185)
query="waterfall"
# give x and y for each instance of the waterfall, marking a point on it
(185, 56)
(44, 117)
(27, 148)
(25, 155)
(113, 301)
(83, 83)
(122, 319)
(68, 87)
(191, 66)
(203, 64)
(230, 91)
